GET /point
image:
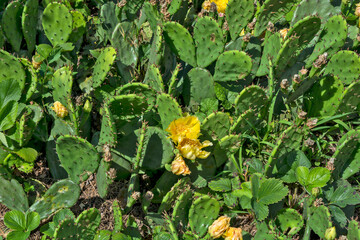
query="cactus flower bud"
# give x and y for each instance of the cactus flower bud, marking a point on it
(60, 109)
(283, 32)
(219, 227)
(315, 191)
(233, 234)
(179, 167)
(330, 233)
(284, 84)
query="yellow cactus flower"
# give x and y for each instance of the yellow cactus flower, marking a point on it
(60, 109)
(220, 4)
(179, 167)
(219, 227)
(233, 234)
(191, 149)
(283, 32)
(185, 127)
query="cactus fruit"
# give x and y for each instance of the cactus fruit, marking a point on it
(12, 195)
(57, 23)
(78, 157)
(238, 14)
(209, 41)
(232, 66)
(29, 22)
(63, 194)
(11, 23)
(202, 213)
(102, 66)
(11, 68)
(181, 42)
(344, 65)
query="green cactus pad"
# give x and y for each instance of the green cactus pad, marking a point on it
(216, 125)
(271, 11)
(272, 47)
(353, 230)
(253, 97)
(11, 24)
(238, 14)
(29, 22)
(320, 220)
(289, 221)
(350, 100)
(203, 212)
(153, 78)
(344, 65)
(127, 106)
(62, 84)
(139, 89)
(181, 209)
(31, 78)
(325, 10)
(12, 195)
(102, 66)
(323, 97)
(103, 181)
(156, 47)
(225, 147)
(11, 68)
(83, 228)
(305, 29)
(180, 41)
(209, 41)
(169, 199)
(168, 109)
(158, 149)
(232, 66)
(246, 121)
(201, 85)
(108, 129)
(287, 55)
(77, 156)
(57, 23)
(62, 194)
(79, 26)
(331, 39)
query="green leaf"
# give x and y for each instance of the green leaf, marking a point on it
(318, 177)
(343, 195)
(8, 115)
(220, 185)
(15, 220)
(272, 191)
(32, 220)
(17, 235)
(9, 91)
(289, 218)
(261, 210)
(255, 185)
(27, 154)
(302, 174)
(287, 167)
(338, 215)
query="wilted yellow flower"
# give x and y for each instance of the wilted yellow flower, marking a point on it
(191, 149)
(283, 32)
(185, 127)
(219, 226)
(233, 234)
(60, 109)
(220, 4)
(357, 9)
(179, 167)
(330, 233)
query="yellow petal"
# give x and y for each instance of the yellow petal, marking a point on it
(179, 167)
(233, 234)
(191, 149)
(60, 109)
(185, 127)
(219, 227)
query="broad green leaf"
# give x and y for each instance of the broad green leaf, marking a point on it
(32, 220)
(271, 191)
(18, 235)
(289, 219)
(27, 154)
(8, 115)
(338, 215)
(255, 185)
(343, 195)
(261, 210)
(15, 220)
(302, 174)
(9, 91)
(18, 199)
(220, 185)
(287, 167)
(318, 177)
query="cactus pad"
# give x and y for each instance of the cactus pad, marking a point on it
(127, 106)
(78, 157)
(29, 22)
(251, 97)
(62, 84)
(57, 23)
(209, 41)
(11, 68)
(238, 14)
(11, 23)
(216, 125)
(102, 66)
(201, 84)
(12, 195)
(168, 109)
(232, 66)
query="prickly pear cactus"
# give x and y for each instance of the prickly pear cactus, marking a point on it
(238, 15)
(78, 157)
(12, 195)
(11, 68)
(57, 23)
(102, 66)
(29, 22)
(11, 23)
